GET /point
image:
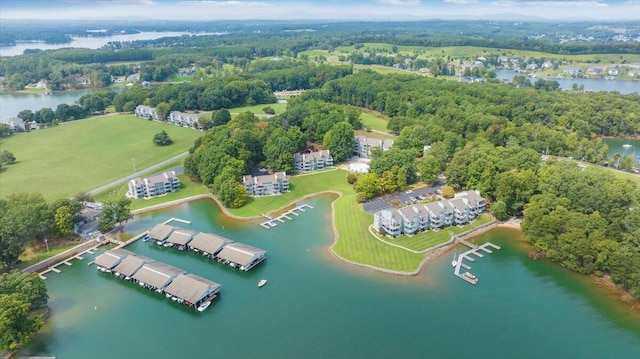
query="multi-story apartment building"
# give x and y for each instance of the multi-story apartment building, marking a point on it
(153, 186)
(462, 209)
(307, 162)
(147, 112)
(266, 185)
(364, 145)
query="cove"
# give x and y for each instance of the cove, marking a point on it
(316, 306)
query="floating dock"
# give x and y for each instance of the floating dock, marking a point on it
(272, 222)
(475, 250)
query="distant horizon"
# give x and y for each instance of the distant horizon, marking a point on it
(316, 10)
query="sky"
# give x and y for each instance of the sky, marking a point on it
(377, 10)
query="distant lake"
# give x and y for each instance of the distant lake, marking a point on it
(595, 85)
(92, 42)
(11, 103)
(617, 146)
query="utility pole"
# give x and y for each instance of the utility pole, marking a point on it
(46, 243)
(133, 160)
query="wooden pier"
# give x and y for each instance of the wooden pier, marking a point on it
(475, 250)
(272, 222)
(177, 220)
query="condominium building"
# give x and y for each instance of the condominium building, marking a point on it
(307, 162)
(184, 119)
(266, 185)
(364, 145)
(153, 186)
(462, 209)
(147, 112)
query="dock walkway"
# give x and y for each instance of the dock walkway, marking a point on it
(475, 250)
(272, 222)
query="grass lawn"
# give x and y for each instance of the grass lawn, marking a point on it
(38, 252)
(178, 78)
(81, 155)
(375, 121)
(257, 109)
(33, 90)
(355, 243)
(422, 241)
(374, 134)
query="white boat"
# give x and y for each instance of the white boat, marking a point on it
(204, 306)
(454, 262)
(627, 145)
(262, 282)
(167, 295)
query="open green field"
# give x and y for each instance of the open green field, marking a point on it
(178, 78)
(257, 109)
(82, 155)
(354, 243)
(422, 241)
(377, 122)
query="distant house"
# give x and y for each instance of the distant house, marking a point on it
(15, 124)
(184, 119)
(187, 71)
(572, 71)
(154, 186)
(531, 67)
(595, 71)
(307, 162)
(547, 65)
(462, 209)
(146, 112)
(266, 185)
(133, 78)
(614, 71)
(33, 125)
(145, 84)
(364, 145)
(87, 221)
(503, 59)
(83, 81)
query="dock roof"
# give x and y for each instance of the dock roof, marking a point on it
(180, 236)
(191, 288)
(157, 274)
(208, 242)
(131, 264)
(240, 253)
(160, 231)
(112, 257)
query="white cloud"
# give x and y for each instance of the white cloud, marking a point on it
(399, 2)
(553, 3)
(462, 2)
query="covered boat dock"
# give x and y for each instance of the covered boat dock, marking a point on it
(179, 238)
(208, 244)
(130, 265)
(160, 233)
(242, 256)
(192, 290)
(156, 275)
(111, 258)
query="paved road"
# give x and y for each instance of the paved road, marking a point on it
(178, 170)
(381, 203)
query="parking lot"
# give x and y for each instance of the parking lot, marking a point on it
(405, 198)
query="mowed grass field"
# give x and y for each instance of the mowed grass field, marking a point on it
(82, 155)
(354, 241)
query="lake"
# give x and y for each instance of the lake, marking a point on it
(92, 42)
(594, 85)
(315, 306)
(11, 103)
(616, 145)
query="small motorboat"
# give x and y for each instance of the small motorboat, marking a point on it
(262, 282)
(204, 306)
(454, 262)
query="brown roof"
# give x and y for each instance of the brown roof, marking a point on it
(157, 274)
(131, 264)
(240, 253)
(208, 242)
(112, 257)
(160, 231)
(191, 288)
(180, 236)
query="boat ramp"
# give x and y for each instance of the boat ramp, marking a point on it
(468, 255)
(187, 289)
(272, 222)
